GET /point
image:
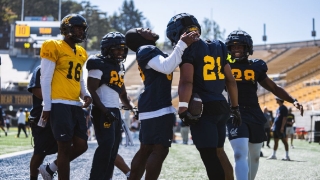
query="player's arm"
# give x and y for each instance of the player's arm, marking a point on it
(293, 120)
(185, 85)
(169, 64)
(93, 84)
(37, 92)
(47, 70)
(284, 120)
(233, 93)
(124, 98)
(268, 84)
(231, 86)
(84, 94)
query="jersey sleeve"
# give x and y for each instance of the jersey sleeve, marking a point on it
(224, 56)
(94, 63)
(188, 55)
(35, 80)
(146, 53)
(262, 68)
(49, 51)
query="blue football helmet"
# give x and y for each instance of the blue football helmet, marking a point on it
(70, 21)
(239, 37)
(179, 24)
(113, 40)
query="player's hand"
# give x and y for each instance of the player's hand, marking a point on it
(282, 130)
(235, 113)
(190, 37)
(136, 113)
(189, 119)
(87, 101)
(298, 106)
(45, 116)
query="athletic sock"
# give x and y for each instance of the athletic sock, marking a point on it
(49, 170)
(53, 167)
(128, 174)
(287, 153)
(274, 153)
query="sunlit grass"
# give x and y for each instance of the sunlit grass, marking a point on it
(10, 143)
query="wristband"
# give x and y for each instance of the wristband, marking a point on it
(183, 104)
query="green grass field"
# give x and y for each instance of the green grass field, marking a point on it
(184, 162)
(10, 143)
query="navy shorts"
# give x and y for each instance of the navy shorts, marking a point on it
(255, 132)
(67, 121)
(279, 135)
(157, 130)
(44, 142)
(210, 131)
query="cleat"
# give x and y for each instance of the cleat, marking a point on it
(44, 173)
(272, 157)
(6, 133)
(286, 158)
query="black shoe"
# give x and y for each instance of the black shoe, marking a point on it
(6, 133)
(268, 146)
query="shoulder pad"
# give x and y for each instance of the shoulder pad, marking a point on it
(94, 62)
(146, 53)
(47, 47)
(259, 63)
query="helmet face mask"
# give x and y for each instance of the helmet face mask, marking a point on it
(113, 47)
(240, 38)
(190, 29)
(75, 27)
(179, 24)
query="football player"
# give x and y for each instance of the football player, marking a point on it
(44, 142)
(247, 139)
(156, 112)
(106, 86)
(62, 86)
(279, 129)
(2, 122)
(205, 71)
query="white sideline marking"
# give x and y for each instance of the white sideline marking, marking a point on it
(28, 151)
(15, 154)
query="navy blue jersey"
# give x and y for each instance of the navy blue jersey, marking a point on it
(36, 102)
(113, 74)
(281, 112)
(157, 86)
(247, 76)
(208, 60)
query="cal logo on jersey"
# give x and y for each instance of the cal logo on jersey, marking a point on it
(66, 78)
